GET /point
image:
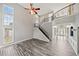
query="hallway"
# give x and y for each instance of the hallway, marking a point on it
(36, 47)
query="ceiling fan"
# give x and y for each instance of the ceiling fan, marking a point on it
(32, 9)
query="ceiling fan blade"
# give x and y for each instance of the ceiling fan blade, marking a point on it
(37, 8)
(31, 5)
(27, 8)
(35, 12)
(32, 9)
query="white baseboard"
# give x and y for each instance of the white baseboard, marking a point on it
(14, 43)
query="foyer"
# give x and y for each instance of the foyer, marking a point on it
(53, 30)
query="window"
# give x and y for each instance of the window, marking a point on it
(8, 14)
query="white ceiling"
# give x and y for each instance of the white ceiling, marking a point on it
(46, 7)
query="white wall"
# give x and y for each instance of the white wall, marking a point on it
(73, 39)
(77, 25)
(76, 8)
(47, 7)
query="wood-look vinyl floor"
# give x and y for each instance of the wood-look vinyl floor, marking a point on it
(35, 47)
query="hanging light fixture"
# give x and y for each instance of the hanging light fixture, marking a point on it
(32, 12)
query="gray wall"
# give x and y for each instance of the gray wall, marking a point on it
(23, 25)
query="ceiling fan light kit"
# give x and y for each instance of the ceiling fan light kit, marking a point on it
(32, 9)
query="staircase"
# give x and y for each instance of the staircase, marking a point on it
(38, 34)
(43, 32)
